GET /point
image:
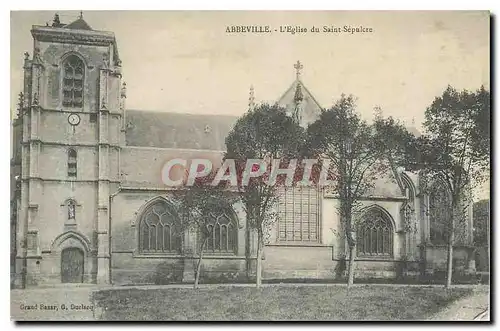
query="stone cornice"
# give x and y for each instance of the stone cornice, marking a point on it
(71, 36)
(51, 34)
(71, 111)
(75, 144)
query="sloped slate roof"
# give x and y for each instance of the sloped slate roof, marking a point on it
(177, 130)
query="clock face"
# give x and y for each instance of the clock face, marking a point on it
(74, 119)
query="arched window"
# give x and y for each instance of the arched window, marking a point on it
(72, 163)
(439, 214)
(223, 234)
(74, 72)
(157, 229)
(375, 235)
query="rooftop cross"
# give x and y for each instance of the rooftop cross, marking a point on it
(81, 15)
(298, 66)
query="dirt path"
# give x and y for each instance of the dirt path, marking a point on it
(472, 308)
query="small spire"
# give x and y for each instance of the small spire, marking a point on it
(123, 92)
(20, 104)
(298, 97)
(298, 67)
(251, 99)
(413, 121)
(81, 15)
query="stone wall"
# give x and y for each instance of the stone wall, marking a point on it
(129, 266)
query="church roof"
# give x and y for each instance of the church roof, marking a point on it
(204, 132)
(79, 24)
(177, 130)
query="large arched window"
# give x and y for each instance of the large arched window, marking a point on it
(439, 213)
(74, 71)
(375, 235)
(72, 163)
(222, 233)
(157, 229)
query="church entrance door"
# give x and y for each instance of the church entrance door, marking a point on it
(72, 265)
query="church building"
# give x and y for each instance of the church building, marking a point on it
(89, 206)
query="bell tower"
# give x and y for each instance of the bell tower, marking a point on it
(70, 121)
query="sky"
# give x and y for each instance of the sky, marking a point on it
(185, 61)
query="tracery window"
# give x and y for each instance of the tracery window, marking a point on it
(375, 235)
(298, 214)
(157, 231)
(222, 234)
(73, 78)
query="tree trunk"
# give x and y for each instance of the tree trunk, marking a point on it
(350, 267)
(352, 246)
(248, 253)
(259, 261)
(451, 240)
(198, 265)
(449, 264)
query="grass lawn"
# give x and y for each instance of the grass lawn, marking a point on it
(332, 303)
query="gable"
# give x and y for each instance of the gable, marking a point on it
(309, 107)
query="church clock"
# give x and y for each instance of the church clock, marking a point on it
(74, 119)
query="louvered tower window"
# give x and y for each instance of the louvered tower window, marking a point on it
(72, 163)
(73, 82)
